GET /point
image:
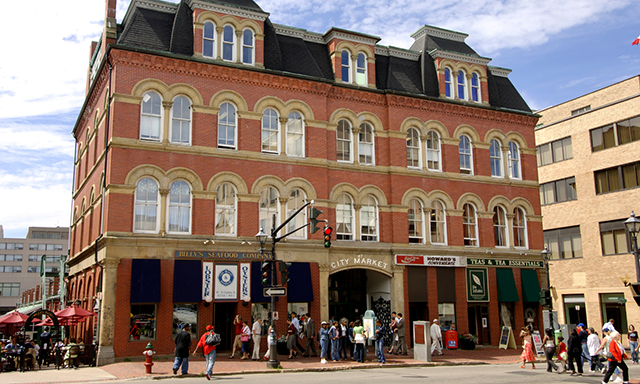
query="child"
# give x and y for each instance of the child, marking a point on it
(562, 355)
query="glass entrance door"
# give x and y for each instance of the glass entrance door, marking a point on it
(348, 294)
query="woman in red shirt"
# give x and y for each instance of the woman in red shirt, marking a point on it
(209, 351)
(616, 359)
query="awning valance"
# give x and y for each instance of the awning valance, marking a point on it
(507, 292)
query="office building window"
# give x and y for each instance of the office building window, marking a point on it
(613, 238)
(558, 191)
(564, 243)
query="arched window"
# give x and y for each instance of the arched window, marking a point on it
(146, 206)
(151, 117)
(228, 42)
(470, 225)
(519, 228)
(438, 223)
(227, 126)
(226, 203)
(295, 134)
(346, 66)
(179, 217)
(475, 88)
(365, 144)
(344, 218)
(416, 222)
(433, 151)
(500, 227)
(413, 148)
(361, 69)
(268, 207)
(247, 47)
(495, 156)
(296, 200)
(369, 220)
(343, 141)
(513, 157)
(448, 86)
(209, 40)
(270, 131)
(462, 85)
(466, 158)
(181, 121)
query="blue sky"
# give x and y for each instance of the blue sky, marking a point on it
(558, 50)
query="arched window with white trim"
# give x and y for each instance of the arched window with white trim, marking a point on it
(179, 213)
(470, 225)
(462, 85)
(466, 155)
(209, 40)
(343, 141)
(268, 207)
(369, 219)
(438, 223)
(495, 157)
(151, 117)
(181, 121)
(226, 212)
(448, 83)
(228, 43)
(513, 157)
(433, 151)
(500, 228)
(361, 69)
(344, 217)
(413, 148)
(227, 126)
(146, 198)
(345, 60)
(295, 134)
(366, 151)
(297, 198)
(475, 88)
(270, 131)
(520, 239)
(416, 222)
(248, 46)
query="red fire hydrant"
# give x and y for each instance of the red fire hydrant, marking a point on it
(148, 352)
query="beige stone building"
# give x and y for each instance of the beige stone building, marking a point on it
(588, 153)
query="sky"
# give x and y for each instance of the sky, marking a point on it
(558, 50)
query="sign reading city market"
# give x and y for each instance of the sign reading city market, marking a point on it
(505, 263)
(358, 260)
(431, 261)
(218, 255)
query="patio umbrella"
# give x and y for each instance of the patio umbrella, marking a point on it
(49, 323)
(13, 317)
(73, 313)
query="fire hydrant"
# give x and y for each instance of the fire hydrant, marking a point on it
(148, 352)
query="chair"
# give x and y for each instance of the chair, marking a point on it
(74, 352)
(29, 359)
(57, 357)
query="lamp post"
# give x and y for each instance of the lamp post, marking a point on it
(546, 255)
(633, 227)
(261, 236)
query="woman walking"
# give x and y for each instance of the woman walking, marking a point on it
(245, 336)
(549, 346)
(575, 352)
(633, 344)
(527, 355)
(616, 360)
(291, 339)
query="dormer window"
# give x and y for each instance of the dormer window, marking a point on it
(346, 66)
(475, 88)
(361, 69)
(462, 85)
(447, 83)
(228, 39)
(247, 47)
(208, 40)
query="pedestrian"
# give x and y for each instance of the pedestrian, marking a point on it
(324, 342)
(183, 344)
(563, 356)
(402, 344)
(527, 354)
(245, 337)
(549, 346)
(607, 331)
(269, 340)
(45, 347)
(256, 330)
(237, 323)
(633, 343)
(209, 350)
(296, 323)
(291, 338)
(575, 352)
(352, 345)
(436, 336)
(583, 335)
(616, 359)
(310, 334)
(394, 333)
(359, 337)
(593, 343)
(381, 331)
(344, 339)
(334, 336)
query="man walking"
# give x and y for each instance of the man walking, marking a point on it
(237, 323)
(45, 339)
(402, 344)
(436, 336)
(209, 351)
(296, 323)
(310, 333)
(256, 330)
(183, 344)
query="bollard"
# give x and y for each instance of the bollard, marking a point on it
(148, 352)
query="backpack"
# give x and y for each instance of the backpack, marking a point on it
(212, 339)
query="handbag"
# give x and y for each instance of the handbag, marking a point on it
(212, 339)
(359, 338)
(244, 338)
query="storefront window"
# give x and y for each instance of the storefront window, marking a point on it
(575, 311)
(446, 314)
(613, 307)
(299, 308)
(185, 313)
(143, 322)
(260, 310)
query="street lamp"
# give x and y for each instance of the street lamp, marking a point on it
(546, 255)
(261, 236)
(633, 227)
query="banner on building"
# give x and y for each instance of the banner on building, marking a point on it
(477, 285)
(226, 282)
(431, 261)
(207, 282)
(245, 282)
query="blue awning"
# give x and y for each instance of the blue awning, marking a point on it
(145, 281)
(300, 288)
(187, 281)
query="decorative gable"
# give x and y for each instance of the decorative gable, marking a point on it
(352, 56)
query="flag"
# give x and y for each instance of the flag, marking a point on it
(636, 41)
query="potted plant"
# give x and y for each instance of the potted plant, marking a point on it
(467, 341)
(282, 345)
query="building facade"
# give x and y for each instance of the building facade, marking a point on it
(203, 120)
(587, 164)
(20, 263)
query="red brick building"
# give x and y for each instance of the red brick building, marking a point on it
(203, 119)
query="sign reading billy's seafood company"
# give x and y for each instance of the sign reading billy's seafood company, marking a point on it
(222, 255)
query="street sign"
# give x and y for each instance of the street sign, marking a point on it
(274, 291)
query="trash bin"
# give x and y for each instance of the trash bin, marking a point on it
(451, 339)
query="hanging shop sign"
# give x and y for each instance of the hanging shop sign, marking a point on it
(431, 261)
(226, 282)
(245, 282)
(219, 255)
(207, 282)
(477, 285)
(505, 263)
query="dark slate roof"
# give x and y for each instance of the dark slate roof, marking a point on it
(248, 4)
(401, 74)
(434, 42)
(302, 57)
(182, 31)
(149, 29)
(503, 94)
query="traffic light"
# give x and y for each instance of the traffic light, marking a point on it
(327, 236)
(313, 216)
(545, 297)
(636, 292)
(284, 272)
(266, 269)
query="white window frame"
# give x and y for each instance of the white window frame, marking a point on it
(345, 214)
(209, 39)
(297, 198)
(148, 98)
(266, 212)
(501, 225)
(349, 130)
(181, 120)
(361, 71)
(231, 43)
(470, 222)
(434, 137)
(270, 131)
(292, 135)
(434, 214)
(369, 215)
(475, 87)
(227, 126)
(229, 212)
(449, 85)
(344, 66)
(462, 84)
(145, 204)
(366, 129)
(415, 216)
(513, 156)
(182, 208)
(414, 155)
(523, 228)
(466, 150)
(251, 47)
(496, 159)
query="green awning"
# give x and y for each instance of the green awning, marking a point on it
(530, 285)
(507, 292)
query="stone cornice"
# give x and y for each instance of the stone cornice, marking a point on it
(439, 32)
(353, 37)
(299, 33)
(219, 8)
(438, 53)
(497, 71)
(397, 52)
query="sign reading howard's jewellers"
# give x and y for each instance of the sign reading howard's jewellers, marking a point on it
(505, 263)
(431, 261)
(219, 255)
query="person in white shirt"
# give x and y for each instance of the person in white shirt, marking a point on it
(256, 330)
(593, 343)
(436, 336)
